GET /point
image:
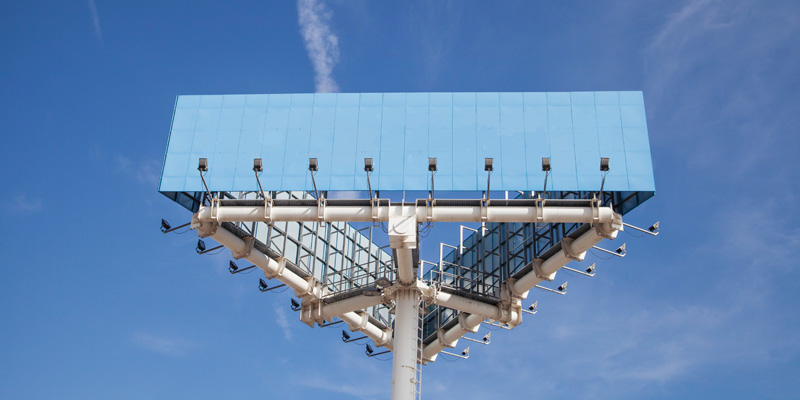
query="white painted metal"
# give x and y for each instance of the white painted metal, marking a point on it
(580, 245)
(402, 239)
(464, 304)
(359, 322)
(402, 221)
(438, 214)
(404, 363)
(352, 304)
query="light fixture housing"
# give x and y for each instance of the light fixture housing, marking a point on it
(652, 228)
(232, 267)
(165, 226)
(604, 164)
(590, 269)
(534, 306)
(383, 282)
(488, 164)
(295, 305)
(368, 164)
(545, 164)
(201, 246)
(432, 164)
(371, 291)
(563, 287)
(312, 164)
(369, 350)
(257, 165)
(345, 335)
(202, 164)
(262, 285)
(621, 249)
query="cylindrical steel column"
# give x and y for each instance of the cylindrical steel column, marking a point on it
(404, 365)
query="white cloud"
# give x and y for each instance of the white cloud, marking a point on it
(321, 43)
(95, 20)
(145, 172)
(163, 345)
(22, 205)
(283, 323)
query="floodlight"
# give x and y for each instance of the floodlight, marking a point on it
(257, 166)
(431, 164)
(487, 338)
(312, 164)
(604, 164)
(201, 246)
(262, 285)
(563, 287)
(368, 164)
(534, 306)
(383, 282)
(232, 267)
(202, 165)
(345, 335)
(465, 353)
(621, 249)
(590, 269)
(545, 164)
(652, 228)
(369, 350)
(167, 228)
(371, 291)
(487, 166)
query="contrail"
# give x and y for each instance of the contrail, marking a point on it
(322, 44)
(95, 20)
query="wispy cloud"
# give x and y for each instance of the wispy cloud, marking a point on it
(353, 375)
(436, 27)
(355, 389)
(163, 345)
(283, 323)
(22, 205)
(145, 172)
(98, 33)
(321, 43)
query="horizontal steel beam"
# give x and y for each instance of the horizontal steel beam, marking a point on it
(424, 213)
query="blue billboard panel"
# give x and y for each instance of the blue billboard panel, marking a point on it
(400, 131)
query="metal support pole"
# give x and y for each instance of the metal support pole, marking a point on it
(404, 364)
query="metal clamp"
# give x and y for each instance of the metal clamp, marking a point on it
(440, 333)
(595, 211)
(281, 267)
(374, 204)
(215, 209)
(462, 323)
(566, 246)
(361, 325)
(537, 269)
(539, 211)
(429, 210)
(248, 248)
(268, 203)
(484, 211)
(321, 203)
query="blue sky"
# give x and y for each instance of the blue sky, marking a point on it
(96, 303)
